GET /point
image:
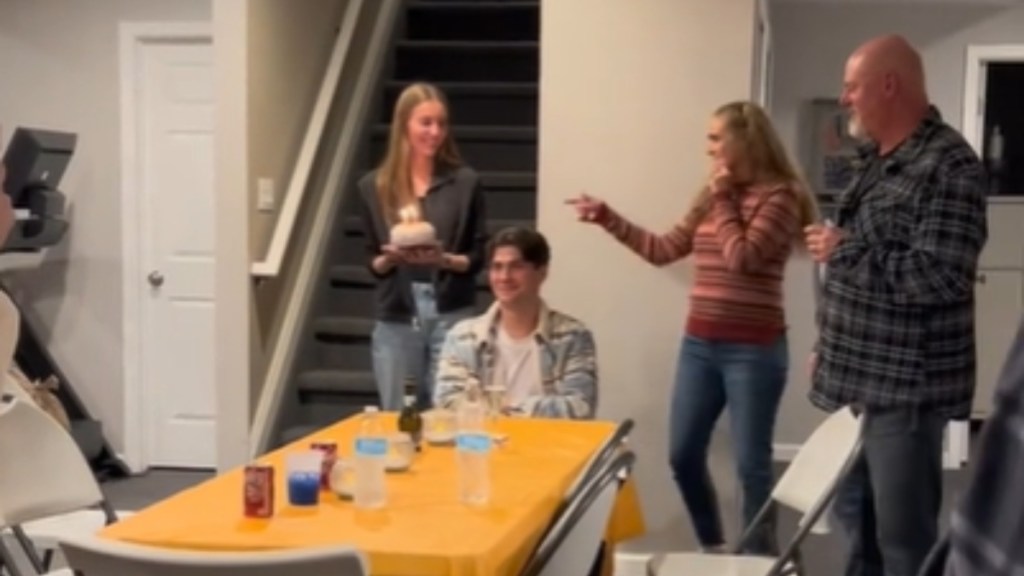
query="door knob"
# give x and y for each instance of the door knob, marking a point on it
(156, 279)
(980, 278)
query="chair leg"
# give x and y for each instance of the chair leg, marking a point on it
(47, 559)
(654, 564)
(7, 561)
(30, 549)
(798, 563)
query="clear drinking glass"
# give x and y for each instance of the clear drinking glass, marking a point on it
(494, 395)
(304, 469)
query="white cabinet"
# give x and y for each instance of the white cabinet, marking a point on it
(999, 296)
(999, 301)
(999, 305)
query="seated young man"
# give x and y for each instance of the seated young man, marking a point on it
(542, 361)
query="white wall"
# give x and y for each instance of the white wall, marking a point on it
(626, 91)
(234, 311)
(59, 70)
(270, 58)
(281, 95)
(812, 42)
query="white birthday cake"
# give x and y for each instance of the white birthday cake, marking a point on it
(411, 230)
(408, 234)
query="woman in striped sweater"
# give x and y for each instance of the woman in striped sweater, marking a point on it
(740, 231)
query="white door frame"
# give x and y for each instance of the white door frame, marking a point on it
(978, 55)
(134, 37)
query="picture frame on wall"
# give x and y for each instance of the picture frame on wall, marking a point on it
(833, 152)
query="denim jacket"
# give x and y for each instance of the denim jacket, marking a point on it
(567, 359)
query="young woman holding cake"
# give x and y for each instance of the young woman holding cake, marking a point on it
(423, 214)
(741, 230)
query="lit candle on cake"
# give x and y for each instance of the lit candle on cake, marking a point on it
(411, 230)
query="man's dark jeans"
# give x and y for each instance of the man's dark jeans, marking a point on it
(889, 505)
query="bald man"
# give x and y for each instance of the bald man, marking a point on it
(896, 317)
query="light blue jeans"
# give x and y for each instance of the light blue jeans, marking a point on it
(404, 350)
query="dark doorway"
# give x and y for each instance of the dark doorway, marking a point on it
(1004, 127)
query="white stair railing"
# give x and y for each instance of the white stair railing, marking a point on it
(284, 227)
(295, 308)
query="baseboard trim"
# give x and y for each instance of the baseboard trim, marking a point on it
(134, 467)
(631, 563)
(784, 451)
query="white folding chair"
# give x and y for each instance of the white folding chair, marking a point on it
(93, 556)
(572, 543)
(808, 486)
(47, 490)
(597, 462)
(10, 328)
(604, 454)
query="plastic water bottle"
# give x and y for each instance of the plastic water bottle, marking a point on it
(473, 448)
(371, 452)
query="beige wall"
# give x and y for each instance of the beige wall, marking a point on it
(627, 88)
(233, 312)
(289, 44)
(811, 45)
(271, 56)
(59, 69)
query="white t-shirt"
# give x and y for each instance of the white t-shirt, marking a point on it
(517, 368)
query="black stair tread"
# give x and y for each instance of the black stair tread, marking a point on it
(496, 179)
(351, 274)
(456, 88)
(357, 275)
(521, 180)
(337, 382)
(488, 133)
(354, 224)
(295, 433)
(468, 44)
(345, 326)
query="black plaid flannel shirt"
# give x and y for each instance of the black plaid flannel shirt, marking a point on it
(896, 316)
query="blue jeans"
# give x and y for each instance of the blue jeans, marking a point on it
(403, 350)
(889, 504)
(749, 380)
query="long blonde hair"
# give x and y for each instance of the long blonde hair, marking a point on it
(748, 124)
(394, 175)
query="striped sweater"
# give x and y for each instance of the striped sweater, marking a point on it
(740, 248)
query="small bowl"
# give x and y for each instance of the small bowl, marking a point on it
(343, 479)
(401, 452)
(439, 426)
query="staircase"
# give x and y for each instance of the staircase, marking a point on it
(485, 56)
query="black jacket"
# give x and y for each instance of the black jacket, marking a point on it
(458, 216)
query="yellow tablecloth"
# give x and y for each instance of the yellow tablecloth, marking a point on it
(424, 529)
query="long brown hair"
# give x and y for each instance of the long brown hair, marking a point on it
(748, 124)
(394, 175)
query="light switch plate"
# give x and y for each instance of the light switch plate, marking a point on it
(265, 198)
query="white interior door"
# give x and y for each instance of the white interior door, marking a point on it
(175, 108)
